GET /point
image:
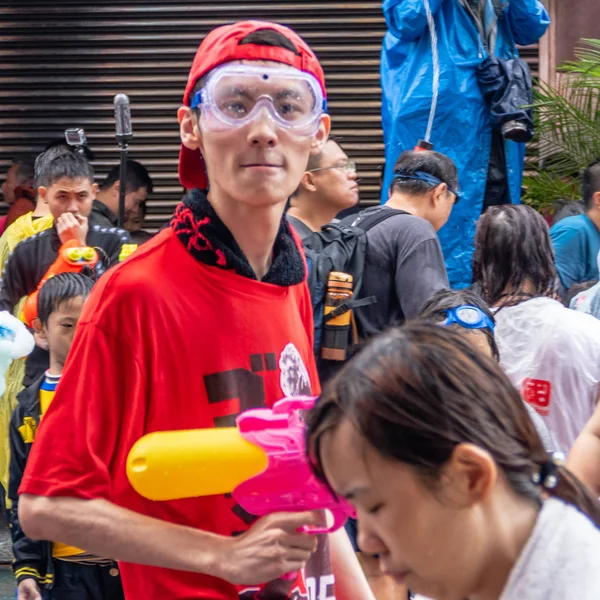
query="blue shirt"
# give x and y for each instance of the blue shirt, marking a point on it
(576, 242)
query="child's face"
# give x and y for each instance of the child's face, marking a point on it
(60, 328)
(69, 195)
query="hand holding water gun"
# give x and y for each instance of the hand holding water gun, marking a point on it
(15, 342)
(261, 462)
(72, 258)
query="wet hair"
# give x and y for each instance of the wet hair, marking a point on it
(60, 289)
(62, 143)
(590, 183)
(577, 288)
(434, 163)
(436, 310)
(25, 173)
(416, 392)
(136, 176)
(58, 162)
(260, 37)
(512, 247)
(566, 208)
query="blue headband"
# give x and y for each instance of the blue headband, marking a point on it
(425, 178)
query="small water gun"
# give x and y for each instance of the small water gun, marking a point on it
(15, 342)
(261, 462)
(72, 258)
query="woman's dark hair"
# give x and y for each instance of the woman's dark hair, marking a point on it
(512, 247)
(59, 289)
(416, 392)
(437, 307)
(434, 163)
(136, 176)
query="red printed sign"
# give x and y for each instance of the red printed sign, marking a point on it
(537, 393)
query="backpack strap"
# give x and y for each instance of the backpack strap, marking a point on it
(368, 222)
(350, 305)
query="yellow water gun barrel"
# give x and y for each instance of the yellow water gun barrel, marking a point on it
(170, 465)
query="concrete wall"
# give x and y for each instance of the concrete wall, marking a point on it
(574, 20)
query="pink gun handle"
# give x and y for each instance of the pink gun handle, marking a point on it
(339, 518)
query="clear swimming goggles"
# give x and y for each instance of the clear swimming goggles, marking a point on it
(469, 317)
(235, 94)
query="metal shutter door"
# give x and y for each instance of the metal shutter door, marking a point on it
(61, 65)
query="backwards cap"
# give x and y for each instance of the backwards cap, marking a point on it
(223, 45)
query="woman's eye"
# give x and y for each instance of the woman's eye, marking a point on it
(375, 509)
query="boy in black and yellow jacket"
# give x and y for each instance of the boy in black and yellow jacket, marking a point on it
(49, 570)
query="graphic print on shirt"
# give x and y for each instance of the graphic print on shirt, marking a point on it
(236, 390)
(537, 393)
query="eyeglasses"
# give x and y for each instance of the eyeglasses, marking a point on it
(348, 167)
(234, 95)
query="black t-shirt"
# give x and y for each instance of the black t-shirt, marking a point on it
(404, 267)
(299, 227)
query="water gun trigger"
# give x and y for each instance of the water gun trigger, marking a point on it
(339, 518)
(287, 405)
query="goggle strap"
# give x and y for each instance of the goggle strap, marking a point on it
(425, 178)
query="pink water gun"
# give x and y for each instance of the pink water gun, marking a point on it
(261, 462)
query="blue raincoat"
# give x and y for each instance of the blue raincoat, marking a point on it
(462, 127)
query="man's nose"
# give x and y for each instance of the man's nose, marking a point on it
(352, 175)
(73, 206)
(262, 131)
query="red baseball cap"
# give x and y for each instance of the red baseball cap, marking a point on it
(222, 45)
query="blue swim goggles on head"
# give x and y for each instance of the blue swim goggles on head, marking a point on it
(469, 317)
(426, 178)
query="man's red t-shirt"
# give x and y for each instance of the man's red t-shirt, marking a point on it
(167, 342)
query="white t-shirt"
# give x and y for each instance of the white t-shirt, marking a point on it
(561, 560)
(552, 355)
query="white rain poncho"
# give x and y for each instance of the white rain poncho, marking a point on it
(552, 356)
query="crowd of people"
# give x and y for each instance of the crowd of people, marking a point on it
(463, 425)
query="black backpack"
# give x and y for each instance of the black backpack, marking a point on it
(340, 247)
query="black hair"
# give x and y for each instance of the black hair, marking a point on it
(590, 183)
(59, 289)
(260, 37)
(512, 248)
(577, 288)
(566, 208)
(62, 142)
(59, 162)
(436, 308)
(314, 161)
(416, 392)
(136, 176)
(434, 163)
(25, 173)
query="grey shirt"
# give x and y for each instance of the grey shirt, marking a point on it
(301, 229)
(404, 267)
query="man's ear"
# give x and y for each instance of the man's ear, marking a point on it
(308, 181)
(188, 128)
(43, 194)
(596, 200)
(321, 136)
(95, 189)
(439, 193)
(469, 475)
(114, 189)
